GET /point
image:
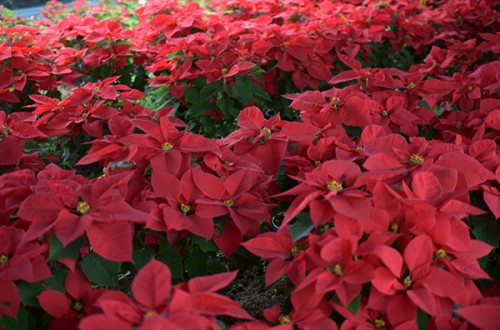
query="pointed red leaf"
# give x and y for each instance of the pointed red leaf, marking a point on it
(423, 299)
(54, 302)
(418, 252)
(152, 285)
(270, 245)
(251, 118)
(112, 240)
(211, 283)
(483, 316)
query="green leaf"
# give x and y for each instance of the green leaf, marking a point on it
(172, 259)
(59, 251)
(422, 320)
(142, 257)
(243, 257)
(487, 232)
(101, 271)
(29, 292)
(121, 164)
(438, 111)
(353, 130)
(203, 244)
(302, 227)
(424, 105)
(244, 92)
(257, 72)
(226, 105)
(215, 266)
(260, 93)
(25, 321)
(196, 264)
(56, 282)
(354, 304)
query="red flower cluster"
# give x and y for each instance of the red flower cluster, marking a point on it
(372, 197)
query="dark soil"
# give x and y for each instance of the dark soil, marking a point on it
(249, 290)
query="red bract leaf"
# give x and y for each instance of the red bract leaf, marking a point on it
(400, 310)
(11, 149)
(239, 181)
(423, 299)
(381, 162)
(440, 86)
(112, 240)
(385, 282)
(418, 252)
(484, 316)
(211, 283)
(214, 304)
(390, 257)
(40, 208)
(426, 186)
(25, 131)
(356, 111)
(270, 246)
(54, 302)
(77, 284)
(443, 284)
(9, 298)
(251, 118)
(80, 96)
(276, 269)
(166, 185)
(209, 184)
(197, 143)
(99, 155)
(306, 101)
(350, 61)
(151, 287)
(492, 199)
(103, 322)
(469, 168)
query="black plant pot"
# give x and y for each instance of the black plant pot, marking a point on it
(18, 4)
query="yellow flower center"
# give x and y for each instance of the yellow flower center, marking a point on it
(78, 306)
(440, 254)
(385, 113)
(394, 227)
(411, 85)
(337, 270)
(416, 159)
(83, 207)
(266, 132)
(284, 319)
(317, 163)
(334, 185)
(379, 323)
(185, 208)
(149, 314)
(229, 202)
(3, 259)
(228, 163)
(296, 249)
(335, 100)
(167, 146)
(407, 281)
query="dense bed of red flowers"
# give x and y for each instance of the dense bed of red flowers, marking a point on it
(361, 168)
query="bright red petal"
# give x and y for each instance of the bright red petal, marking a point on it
(151, 287)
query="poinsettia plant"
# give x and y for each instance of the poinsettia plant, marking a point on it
(250, 165)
